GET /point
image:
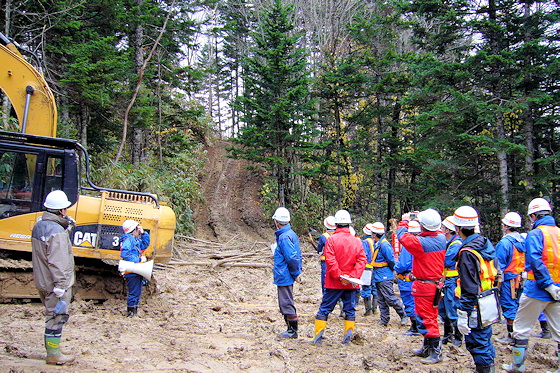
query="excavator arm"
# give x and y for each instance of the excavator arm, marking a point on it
(28, 92)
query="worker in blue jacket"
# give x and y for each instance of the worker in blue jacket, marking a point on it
(403, 268)
(287, 267)
(541, 291)
(383, 263)
(510, 252)
(448, 304)
(134, 242)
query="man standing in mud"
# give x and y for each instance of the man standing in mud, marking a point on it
(53, 270)
(346, 261)
(287, 267)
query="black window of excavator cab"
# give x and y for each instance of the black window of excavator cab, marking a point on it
(17, 172)
(53, 176)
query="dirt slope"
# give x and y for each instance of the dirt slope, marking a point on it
(211, 318)
(231, 206)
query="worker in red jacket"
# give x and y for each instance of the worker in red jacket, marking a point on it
(345, 258)
(428, 251)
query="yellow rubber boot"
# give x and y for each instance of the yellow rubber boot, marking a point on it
(320, 326)
(348, 331)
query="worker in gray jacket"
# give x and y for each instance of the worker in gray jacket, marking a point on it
(53, 270)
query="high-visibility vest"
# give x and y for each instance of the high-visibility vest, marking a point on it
(488, 273)
(371, 245)
(451, 272)
(517, 264)
(550, 253)
(374, 256)
(326, 235)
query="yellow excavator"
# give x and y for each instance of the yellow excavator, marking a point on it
(34, 162)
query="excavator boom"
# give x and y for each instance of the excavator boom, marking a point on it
(26, 88)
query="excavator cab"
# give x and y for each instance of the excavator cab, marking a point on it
(30, 168)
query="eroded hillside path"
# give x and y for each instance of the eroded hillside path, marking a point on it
(232, 201)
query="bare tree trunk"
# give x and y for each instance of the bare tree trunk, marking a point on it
(503, 164)
(6, 104)
(84, 120)
(138, 85)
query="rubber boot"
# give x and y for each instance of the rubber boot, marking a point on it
(458, 338)
(519, 355)
(447, 332)
(436, 355)
(132, 311)
(413, 330)
(507, 340)
(54, 356)
(485, 369)
(320, 326)
(348, 331)
(545, 332)
(423, 351)
(367, 303)
(292, 328)
(374, 304)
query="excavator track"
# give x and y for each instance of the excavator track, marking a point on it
(95, 280)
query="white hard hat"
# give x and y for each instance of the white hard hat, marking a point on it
(329, 222)
(512, 219)
(342, 217)
(378, 228)
(129, 225)
(538, 204)
(282, 215)
(57, 200)
(430, 219)
(465, 216)
(448, 223)
(414, 227)
(368, 229)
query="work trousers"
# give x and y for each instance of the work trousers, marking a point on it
(387, 298)
(426, 315)
(55, 322)
(479, 344)
(331, 297)
(134, 283)
(286, 300)
(508, 303)
(323, 274)
(528, 313)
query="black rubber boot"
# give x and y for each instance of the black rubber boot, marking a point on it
(132, 311)
(435, 353)
(367, 304)
(447, 332)
(485, 369)
(423, 351)
(458, 340)
(374, 304)
(413, 330)
(292, 328)
(507, 340)
(545, 332)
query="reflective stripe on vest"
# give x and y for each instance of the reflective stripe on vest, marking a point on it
(447, 272)
(326, 235)
(371, 244)
(517, 264)
(374, 256)
(488, 272)
(550, 254)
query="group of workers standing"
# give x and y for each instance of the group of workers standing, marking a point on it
(445, 269)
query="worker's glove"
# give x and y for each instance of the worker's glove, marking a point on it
(463, 322)
(554, 291)
(59, 292)
(143, 259)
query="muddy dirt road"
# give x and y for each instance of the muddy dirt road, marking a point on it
(212, 318)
